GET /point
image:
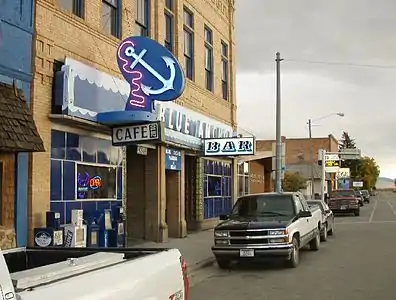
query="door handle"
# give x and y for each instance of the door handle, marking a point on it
(307, 220)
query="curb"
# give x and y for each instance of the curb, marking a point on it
(201, 265)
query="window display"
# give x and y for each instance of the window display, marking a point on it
(96, 182)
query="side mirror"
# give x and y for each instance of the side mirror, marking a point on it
(224, 217)
(327, 211)
(304, 214)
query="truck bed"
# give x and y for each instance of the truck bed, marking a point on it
(32, 267)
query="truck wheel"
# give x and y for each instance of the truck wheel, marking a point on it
(357, 212)
(323, 236)
(331, 231)
(294, 259)
(315, 243)
(223, 263)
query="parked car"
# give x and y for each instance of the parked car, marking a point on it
(327, 227)
(267, 225)
(366, 196)
(93, 273)
(345, 201)
(360, 197)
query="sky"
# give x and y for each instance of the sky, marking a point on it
(321, 43)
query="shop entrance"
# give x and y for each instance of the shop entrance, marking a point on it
(173, 203)
(190, 191)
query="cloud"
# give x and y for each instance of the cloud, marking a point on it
(354, 31)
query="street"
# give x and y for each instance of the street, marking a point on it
(357, 263)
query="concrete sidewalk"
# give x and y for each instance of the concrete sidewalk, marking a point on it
(195, 248)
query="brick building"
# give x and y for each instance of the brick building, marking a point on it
(301, 150)
(75, 59)
(18, 133)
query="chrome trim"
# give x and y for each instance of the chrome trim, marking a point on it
(256, 230)
(250, 237)
(255, 246)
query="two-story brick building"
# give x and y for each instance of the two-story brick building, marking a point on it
(18, 133)
(76, 77)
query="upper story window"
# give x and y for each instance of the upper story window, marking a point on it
(169, 25)
(224, 70)
(143, 17)
(188, 27)
(111, 17)
(208, 34)
(76, 7)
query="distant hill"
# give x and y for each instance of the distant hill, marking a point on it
(384, 183)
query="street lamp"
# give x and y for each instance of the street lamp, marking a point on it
(310, 121)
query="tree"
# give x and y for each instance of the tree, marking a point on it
(346, 142)
(294, 182)
(369, 172)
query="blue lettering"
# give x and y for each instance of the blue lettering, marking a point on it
(229, 147)
(213, 147)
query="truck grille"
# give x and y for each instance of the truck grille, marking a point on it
(249, 237)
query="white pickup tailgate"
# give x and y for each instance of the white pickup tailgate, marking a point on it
(150, 277)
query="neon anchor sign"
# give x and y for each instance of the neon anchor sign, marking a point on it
(152, 72)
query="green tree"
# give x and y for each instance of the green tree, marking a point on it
(293, 182)
(368, 172)
(346, 142)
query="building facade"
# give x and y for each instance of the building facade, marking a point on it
(18, 134)
(169, 188)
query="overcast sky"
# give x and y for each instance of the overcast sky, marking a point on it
(341, 31)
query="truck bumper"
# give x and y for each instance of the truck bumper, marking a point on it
(233, 253)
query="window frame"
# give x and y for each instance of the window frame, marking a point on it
(225, 68)
(208, 42)
(169, 15)
(243, 176)
(78, 8)
(189, 29)
(116, 5)
(145, 28)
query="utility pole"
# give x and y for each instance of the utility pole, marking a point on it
(311, 159)
(278, 174)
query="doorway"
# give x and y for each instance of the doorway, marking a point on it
(190, 166)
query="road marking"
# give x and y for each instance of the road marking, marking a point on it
(374, 222)
(391, 207)
(372, 213)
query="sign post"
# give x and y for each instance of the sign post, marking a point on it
(323, 178)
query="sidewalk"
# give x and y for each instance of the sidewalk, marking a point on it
(195, 248)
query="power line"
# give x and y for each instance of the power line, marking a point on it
(346, 64)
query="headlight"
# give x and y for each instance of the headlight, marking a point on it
(281, 240)
(222, 242)
(221, 234)
(277, 232)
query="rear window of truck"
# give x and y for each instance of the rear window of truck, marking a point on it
(343, 193)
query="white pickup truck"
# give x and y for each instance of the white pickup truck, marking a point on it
(267, 226)
(89, 273)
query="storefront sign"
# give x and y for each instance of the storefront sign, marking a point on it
(173, 159)
(229, 146)
(152, 72)
(128, 135)
(191, 123)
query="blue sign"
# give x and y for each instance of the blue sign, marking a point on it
(344, 183)
(173, 159)
(152, 72)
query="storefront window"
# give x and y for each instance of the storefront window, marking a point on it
(243, 179)
(86, 173)
(217, 188)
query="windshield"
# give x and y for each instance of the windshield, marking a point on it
(365, 192)
(343, 193)
(264, 205)
(319, 203)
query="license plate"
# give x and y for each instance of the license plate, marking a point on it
(246, 253)
(343, 207)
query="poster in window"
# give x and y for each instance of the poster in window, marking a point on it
(96, 182)
(214, 186)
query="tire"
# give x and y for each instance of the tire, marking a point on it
(331, 231)
(294, 259)
(223, 263)
(323, 236)
(315, 243)
(357, 212)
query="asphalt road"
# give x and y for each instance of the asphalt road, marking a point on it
(359, 262)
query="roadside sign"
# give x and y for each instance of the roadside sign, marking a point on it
(350, 154)
(343, 173)
(332, 163)
(332, 157)
(357, 184)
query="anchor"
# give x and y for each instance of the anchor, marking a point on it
(167, 84)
